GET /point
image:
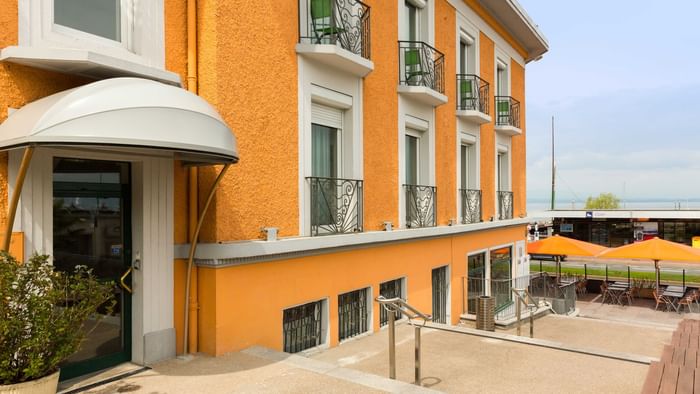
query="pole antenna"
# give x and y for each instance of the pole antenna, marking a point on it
(553, 167)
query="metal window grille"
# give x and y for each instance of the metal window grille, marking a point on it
(352, 314)
(337, 22)
(302, 327)
(336, 206)
(440, 295)
(505, 205)
(421, 204)
(421, 65)
(471, 205)
(390, 289)
(472, 93)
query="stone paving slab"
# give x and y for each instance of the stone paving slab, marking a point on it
(255, 370)
(464, 363)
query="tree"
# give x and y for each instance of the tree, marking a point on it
(603, 201)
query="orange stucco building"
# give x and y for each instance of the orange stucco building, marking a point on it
(381, 145)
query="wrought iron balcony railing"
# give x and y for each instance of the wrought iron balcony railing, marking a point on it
(420, 206)
(421, 65)
(505, 205)
(472, 93)
(507, 111)
(471, 205)
(337, 22)
(336, 206)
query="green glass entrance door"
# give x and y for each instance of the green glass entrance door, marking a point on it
(92, 227)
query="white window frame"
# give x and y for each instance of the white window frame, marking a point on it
(418, 136)
(142, 32)
(425, 12)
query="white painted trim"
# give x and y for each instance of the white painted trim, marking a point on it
(467, 13)
(84, 62)
(415, 123)
(423, 95)
(502, 148)
(152, 301)
(329, 97)
(143, 37)
(467, 138)
(466, 28)
(260, 248)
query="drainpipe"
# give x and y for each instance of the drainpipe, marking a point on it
(12, 209)
(191, 303)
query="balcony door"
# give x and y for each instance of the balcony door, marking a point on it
(412, 159)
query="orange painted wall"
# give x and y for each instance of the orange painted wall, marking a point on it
(518, 159)
(243, 306)
(249, 74)
(380, 118)
(445, 120)
(21, 85)
(488, 135)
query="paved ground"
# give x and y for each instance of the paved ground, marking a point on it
(255, 370)
(463, 363)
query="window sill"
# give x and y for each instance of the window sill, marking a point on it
(84, 63)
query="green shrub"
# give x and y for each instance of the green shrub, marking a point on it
(42, 312)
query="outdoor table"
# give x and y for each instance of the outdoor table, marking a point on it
(674, 294)
(616, 289)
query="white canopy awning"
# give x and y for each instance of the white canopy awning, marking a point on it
(127, 113)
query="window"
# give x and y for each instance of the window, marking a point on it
(325, 151)
(501, 79)
(502, 163)
(121, 30)
(353, 313)
(390, 289)
(413, 21)
(467, 166)
(440, 288)
(102, 18)
(467, 54)
(302, 327)
(476, 273)
(501, 268)
(412, 159)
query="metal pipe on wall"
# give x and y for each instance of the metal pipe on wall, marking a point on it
(12, 209)
(193, 184)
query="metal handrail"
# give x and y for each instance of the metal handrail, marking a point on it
(393, 305)
(398, 304)
(524, 300)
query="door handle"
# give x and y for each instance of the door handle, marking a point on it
(124, 285)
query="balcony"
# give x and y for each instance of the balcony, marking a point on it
(336, 33)
(508, 115)
(473, 98)
(420, 206)
(505, 205)
(336, 206)
(471, 205)
(422, 73)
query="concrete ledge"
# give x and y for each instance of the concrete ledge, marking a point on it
(252, 251)
(634, 358)
(336, 57)
(158, 345)
(349, 375)
(423, 94)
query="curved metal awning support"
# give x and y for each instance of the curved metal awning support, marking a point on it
(127, 113)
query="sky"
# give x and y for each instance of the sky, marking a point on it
(621, 80)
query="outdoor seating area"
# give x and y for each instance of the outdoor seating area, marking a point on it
(671, 298)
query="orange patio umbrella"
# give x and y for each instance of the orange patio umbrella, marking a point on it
(558, 246)
(654, 249)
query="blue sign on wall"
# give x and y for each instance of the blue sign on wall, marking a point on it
(589, 215)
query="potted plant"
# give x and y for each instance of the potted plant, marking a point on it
(645, 287)
(42, 312)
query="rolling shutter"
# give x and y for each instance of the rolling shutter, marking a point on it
(326, 116)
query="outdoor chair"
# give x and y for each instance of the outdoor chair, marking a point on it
(413, 66)
(503, 109)
(628, 296)
(466, 94)
(687, 301)
(661, 300)
(581, 287)
(604, 292)
(322, 20)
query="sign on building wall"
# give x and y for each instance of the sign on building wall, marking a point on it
(566, 228)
